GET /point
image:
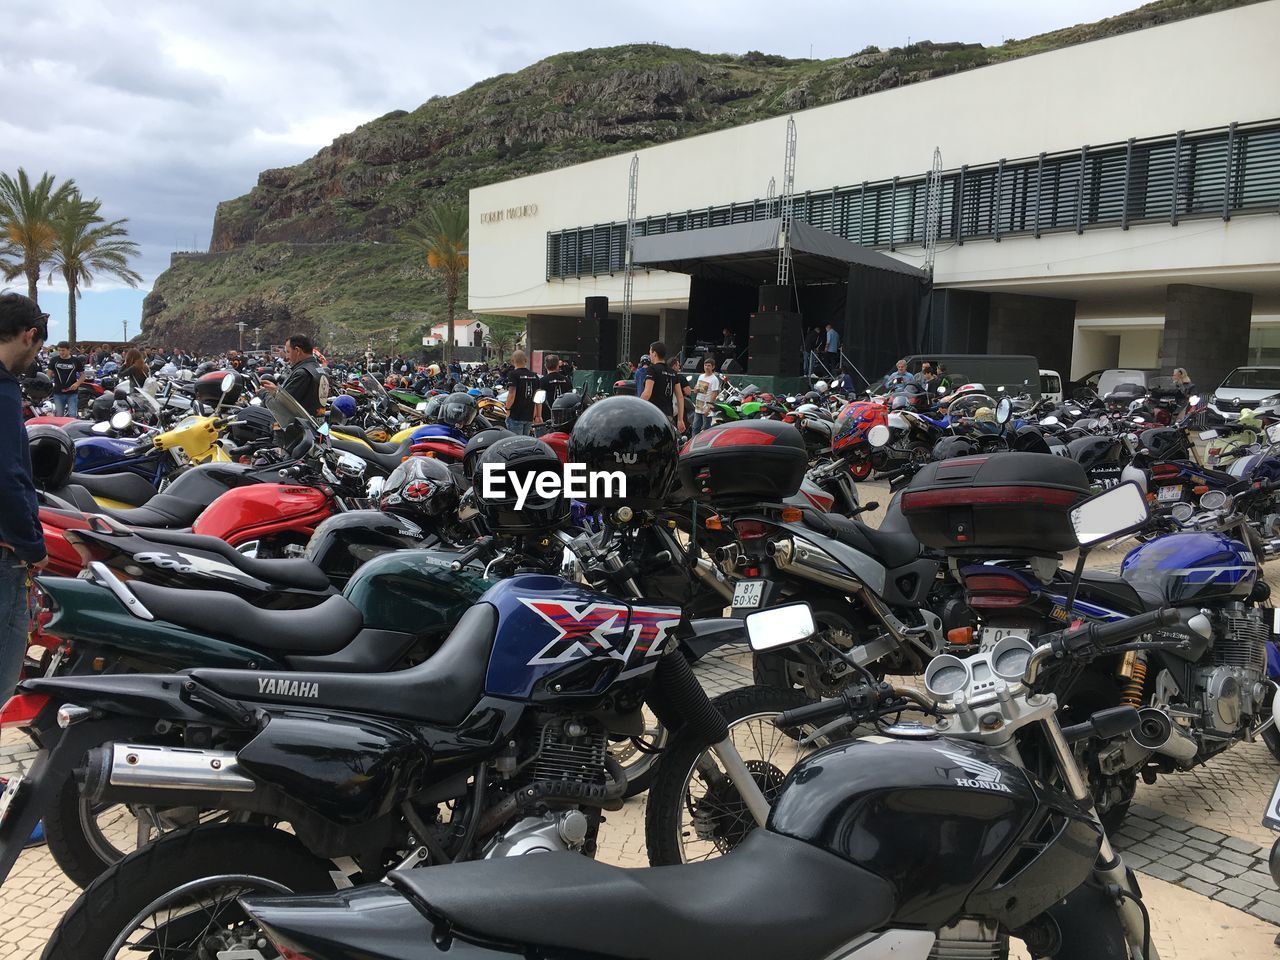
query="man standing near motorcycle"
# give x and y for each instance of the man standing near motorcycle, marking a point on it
(705, 393)
(522, 383)
(661, 387)
(23, 328)
(67, 372)
(303, 382)
(555, 382)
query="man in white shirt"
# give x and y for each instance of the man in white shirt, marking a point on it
(705, 392)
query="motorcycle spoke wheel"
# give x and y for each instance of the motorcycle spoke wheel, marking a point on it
(198, 920)
(715, 818)
(114, 830)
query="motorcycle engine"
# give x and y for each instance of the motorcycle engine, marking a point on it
(1233, 688)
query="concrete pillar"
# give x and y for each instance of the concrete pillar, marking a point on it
(1043, 327)
(1206, 330)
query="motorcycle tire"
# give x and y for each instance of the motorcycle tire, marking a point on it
(669, 800)
(860, 469)
(123, 893)
(1271, 737)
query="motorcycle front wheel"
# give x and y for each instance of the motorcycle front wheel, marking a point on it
(694, 811)
(177, 897)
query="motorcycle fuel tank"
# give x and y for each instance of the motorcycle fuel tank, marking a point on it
(1193, 567)
(558, 640)
(413, 591)
(947, 822)
(247, 513)
(344, 541)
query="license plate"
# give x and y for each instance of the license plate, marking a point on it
(1272, 816)
(1208, 434)
(1169, 494)
(748, 593)
(11, 791)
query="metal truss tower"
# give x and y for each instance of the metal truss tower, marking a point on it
(629, 270)
(788, 188)
(933, 212)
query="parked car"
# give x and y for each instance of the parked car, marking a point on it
(1252, 388)
(1099, 383)
(1051, 386)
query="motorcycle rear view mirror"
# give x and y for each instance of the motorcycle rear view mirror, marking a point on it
(121, 420)
(102, 427)
(1118, 511)
(1004, 410)
(1049, 422)
(1194, 400)
(878, 436)
(782, 626)
(540, 396)
(228, 383)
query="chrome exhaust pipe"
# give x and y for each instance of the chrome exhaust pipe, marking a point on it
(1159, 734)
(805, 560)
(132, 765)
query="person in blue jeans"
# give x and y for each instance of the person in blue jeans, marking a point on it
(23, 328)
(67, 372)
(522, 383)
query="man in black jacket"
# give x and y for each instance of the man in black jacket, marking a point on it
(305, 379)
(23, 328)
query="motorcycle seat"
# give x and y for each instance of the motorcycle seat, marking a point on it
(891, 549)
(385, 461)
(162, 510)
(1113, 591)
(442, 689)
(377, 446)
(294, 574)
(124, 487)
(773, 897)
(325, 628)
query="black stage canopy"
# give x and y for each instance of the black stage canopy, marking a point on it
(747, 253)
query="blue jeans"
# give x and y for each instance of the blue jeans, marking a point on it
(14, 607)
(699, 423)
(66, 404)
(521, 428)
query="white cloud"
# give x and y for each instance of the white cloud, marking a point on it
(162, 108)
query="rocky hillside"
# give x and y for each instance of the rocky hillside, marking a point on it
(350, 197)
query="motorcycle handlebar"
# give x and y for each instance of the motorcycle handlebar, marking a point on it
(471, 553)
(1098, 636)
(814, 713)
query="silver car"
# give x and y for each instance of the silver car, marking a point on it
(1251, 388)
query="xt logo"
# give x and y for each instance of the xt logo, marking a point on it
(591, 629)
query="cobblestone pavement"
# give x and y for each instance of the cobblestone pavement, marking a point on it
(1195, 839)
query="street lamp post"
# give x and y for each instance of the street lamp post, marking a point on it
(240, 325)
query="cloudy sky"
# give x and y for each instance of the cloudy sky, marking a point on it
(162, 108)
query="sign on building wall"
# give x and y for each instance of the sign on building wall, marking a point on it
(521, 212)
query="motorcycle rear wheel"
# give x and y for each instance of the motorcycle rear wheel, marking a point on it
(143, 885)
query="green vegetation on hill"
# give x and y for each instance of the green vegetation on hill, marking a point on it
(355, 193)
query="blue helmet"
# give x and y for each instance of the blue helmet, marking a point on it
(474, 391)
(345, 405)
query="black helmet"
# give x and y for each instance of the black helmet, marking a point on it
(252, 423)
(432, 409)
(102, 407)
(476, 447)
(1030, 439)
(565, 410)
(517, 458)
(633, 437)
(420, 487)
(39, 387)
(53, 455)
(458, 410)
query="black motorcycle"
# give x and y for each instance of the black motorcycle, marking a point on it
(938, 842)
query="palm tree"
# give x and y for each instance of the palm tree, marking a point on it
(84, 244)
(26, 220)
(441, 235)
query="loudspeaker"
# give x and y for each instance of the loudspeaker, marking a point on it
(597, 336)
(692, 364)
(774, 299)
(776, 344)
(731, 366)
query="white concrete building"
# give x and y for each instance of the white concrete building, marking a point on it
(1135, 179)
(467, 332)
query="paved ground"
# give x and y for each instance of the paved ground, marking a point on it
(1195, 839)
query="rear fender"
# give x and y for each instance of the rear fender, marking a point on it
(372, 922)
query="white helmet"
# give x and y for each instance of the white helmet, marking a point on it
(822, 386)
(185, 375)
